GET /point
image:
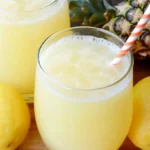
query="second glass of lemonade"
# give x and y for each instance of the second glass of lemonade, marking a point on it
(81, 101)
(24, 25)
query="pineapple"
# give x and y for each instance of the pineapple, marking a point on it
(119, 19)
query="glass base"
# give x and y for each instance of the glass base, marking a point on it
(28, 98)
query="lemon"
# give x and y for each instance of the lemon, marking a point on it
(14, 118)
(140, 128)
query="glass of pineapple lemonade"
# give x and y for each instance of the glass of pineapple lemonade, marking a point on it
(24, 25)
(81, 102)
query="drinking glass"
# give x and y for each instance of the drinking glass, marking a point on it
(82, 119)
(22, 33)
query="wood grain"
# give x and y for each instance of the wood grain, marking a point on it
(33, 140)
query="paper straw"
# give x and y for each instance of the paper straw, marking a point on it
(132, 38)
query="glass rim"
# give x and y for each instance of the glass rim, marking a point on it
(82, 89)
(30, 11)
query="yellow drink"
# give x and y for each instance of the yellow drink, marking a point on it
(75, 110)
(24, 25)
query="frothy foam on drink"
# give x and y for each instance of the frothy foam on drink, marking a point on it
(27, 11)
(83, 62)
(24, 5)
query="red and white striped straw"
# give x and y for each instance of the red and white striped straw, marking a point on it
(132, 39)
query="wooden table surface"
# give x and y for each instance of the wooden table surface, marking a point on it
(33, 140)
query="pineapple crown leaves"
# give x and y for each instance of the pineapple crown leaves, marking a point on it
(102, 5)
(90, 12)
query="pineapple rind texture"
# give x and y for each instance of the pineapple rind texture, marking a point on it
(119, 19)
